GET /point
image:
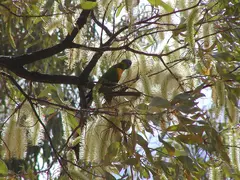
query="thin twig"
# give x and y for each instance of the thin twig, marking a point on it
(37, 116)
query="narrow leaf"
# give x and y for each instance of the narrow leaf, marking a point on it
(158, 101)
(144, 144)
(190, 139)
(88, 5)
(9, 33)
(170, 149)
(187, 162)
(131, 161)
(188, 128)
(3, 168)
(165, 6)
(190, 28)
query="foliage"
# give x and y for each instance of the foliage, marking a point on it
(174, 113)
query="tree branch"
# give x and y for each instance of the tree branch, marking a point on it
(39, 120)
(45, 53)
(45, 78)
(15, 64)
(108, 32)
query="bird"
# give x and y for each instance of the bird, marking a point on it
(110, 79)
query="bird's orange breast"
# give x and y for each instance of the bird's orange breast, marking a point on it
(119, 73)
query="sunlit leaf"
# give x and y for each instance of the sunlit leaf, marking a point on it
(9, 33)
(166, 6)
(119, 10)
(3, 168)
(76, 141)
(142, 106)
(144, 172)
(88, 5)
(73, 123)
(114, 148)
(188, 128)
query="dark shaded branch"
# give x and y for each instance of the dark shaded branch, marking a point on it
(37, 55)
(15, 64)
(108, 32)
(82, 20)
(45, 53)
(84, 75)
(20, 71)
(46, 78)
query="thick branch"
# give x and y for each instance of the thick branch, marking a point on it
(45, 53)
(15, 64)
(38, 55)
(84, 75)
(46, 78)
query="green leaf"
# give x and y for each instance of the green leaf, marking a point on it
(76, 141)
(88, 5)
(3, 168)
(144, 172)
(164, 166)
(188, 109)
(170, 149)
(187, 162)
(188, 128)
(131, 161)
(9, 33)
(225, 156)
(158, 101)
(144, 144)
(224, 56)
(181, 97)
(190, 28)
(167, 7)
(73, 123)
(112, 152)
(190, 139)
(185, 120)
(119, 10)
(142, 107)
(114, 148)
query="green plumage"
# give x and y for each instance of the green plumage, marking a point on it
(111, 78)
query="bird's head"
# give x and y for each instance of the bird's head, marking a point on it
(126, 63)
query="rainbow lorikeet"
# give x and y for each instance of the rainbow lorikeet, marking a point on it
(111, 78)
